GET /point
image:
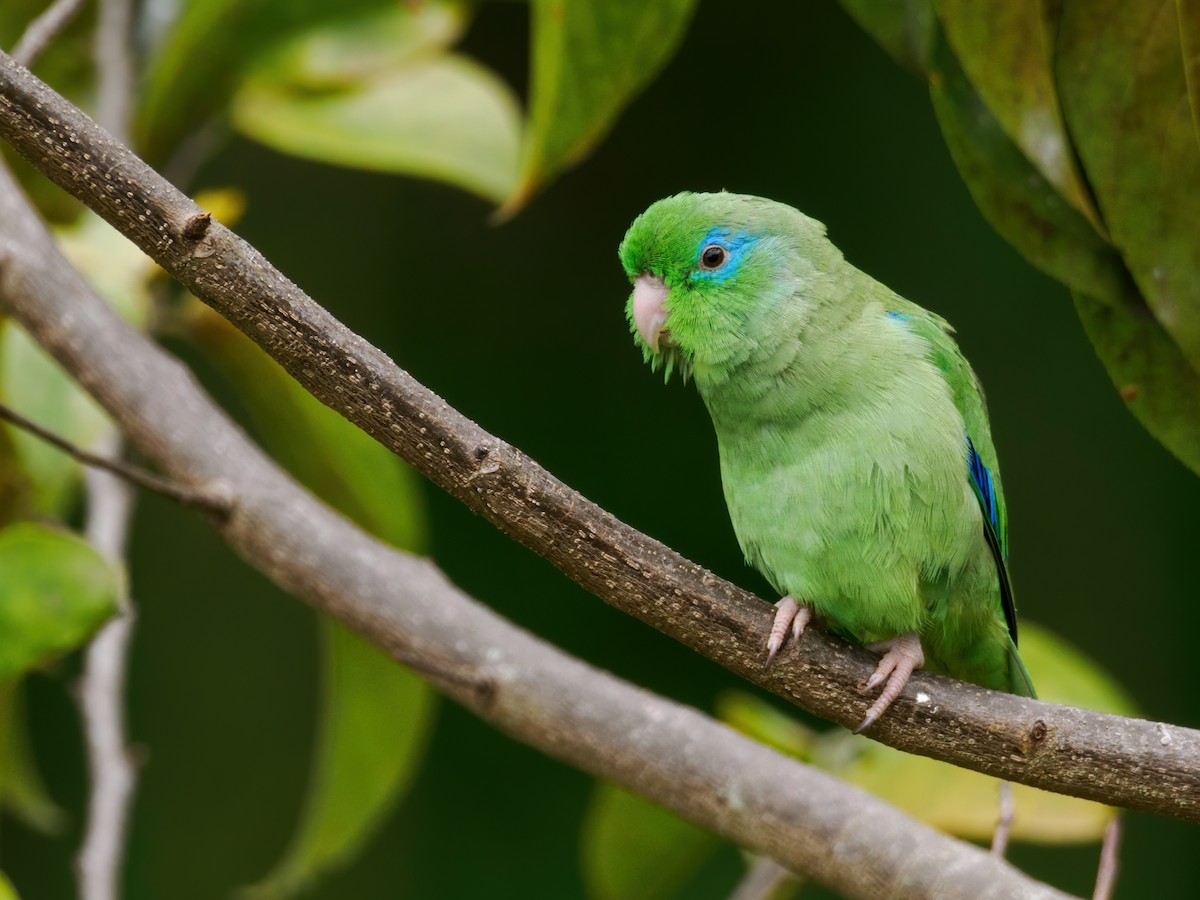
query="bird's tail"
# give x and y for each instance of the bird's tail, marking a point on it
(1019, 682)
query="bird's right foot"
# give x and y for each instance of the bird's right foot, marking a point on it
(789, 615)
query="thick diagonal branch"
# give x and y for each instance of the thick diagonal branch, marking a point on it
(1121, 761)
(672, 754)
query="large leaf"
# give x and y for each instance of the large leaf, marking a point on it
(634, 850)
(1006, 50)
(1017, 199)
(379, 92)
(55, 590)
(7, 891)
(906, 29)
(199, 57)
(1124, 94)
(375, 716)
(590, 59)
(21, 790)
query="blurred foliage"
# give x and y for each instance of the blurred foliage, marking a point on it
(632, 848)
(375, 716)
(1073, 125)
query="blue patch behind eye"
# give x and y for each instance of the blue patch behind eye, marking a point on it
(737, 243)
(898, 316)
(982, 479)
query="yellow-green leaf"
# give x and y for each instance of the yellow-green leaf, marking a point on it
(7, 891)
(590, 59)
(1120, 74)
(36, 386)
(634, 850)
(375, 716)
(379, 92)
(199, 57)
(1006, 50)
(55, 590)
(21, 790)
(964, 803)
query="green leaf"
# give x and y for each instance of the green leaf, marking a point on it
(36, 386)
(906, 29)
(195, 65)
(634, 850)
(7, 891)
(376, 716)
(1158, 385)
(21, 790)
(375, 721)
(378, 92)
(590, 59)
(55, 590)
(1189, 34)
(1006, 50)
(1017, 199)
(1124, 95)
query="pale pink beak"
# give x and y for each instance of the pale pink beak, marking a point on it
(649, 293)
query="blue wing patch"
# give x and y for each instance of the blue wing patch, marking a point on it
(981, 477)
(985, 493)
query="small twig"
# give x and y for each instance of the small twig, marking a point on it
(1003, 821)
(1110, 850)
(763, 880)
(211, 503)
(42, 31)
(102, 697)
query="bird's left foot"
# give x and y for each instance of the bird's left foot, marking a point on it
(789, 615)
(901, 655)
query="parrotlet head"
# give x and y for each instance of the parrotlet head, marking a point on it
(708, 271)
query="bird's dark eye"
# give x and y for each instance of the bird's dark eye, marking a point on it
(713, 256)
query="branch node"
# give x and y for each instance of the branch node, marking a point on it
(196, 226)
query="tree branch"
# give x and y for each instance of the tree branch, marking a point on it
(1112, 759)
(44, 29)
(670, 753)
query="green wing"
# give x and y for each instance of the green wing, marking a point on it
(979, 455)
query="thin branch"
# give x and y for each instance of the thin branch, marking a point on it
(102, 696)
(114, 66)
(1110, 855)
(677, 757)
(1121, 761)
(42, 31)
(212, 502)
(763, 880)
(110, 509)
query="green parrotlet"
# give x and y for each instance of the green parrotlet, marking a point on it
(856, 456)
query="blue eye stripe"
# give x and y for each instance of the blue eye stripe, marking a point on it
(735, 243)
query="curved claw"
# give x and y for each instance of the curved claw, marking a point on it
(901, 655)
(787, 613)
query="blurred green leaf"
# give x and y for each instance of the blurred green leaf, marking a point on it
(194, 67)
(958, 801)
(34, 385)
(634, 850)
(376, 717)
(964, 803)
(1006, 50)
(1015, 198)
(375, 721)
(590, 59)
(21, 790)
(762, 721)
(377, 92)
(1148, 370)
(1189, 34)
(119, 271)
(55, 590)
(1124, 95)
(906, 29)
(7, 891)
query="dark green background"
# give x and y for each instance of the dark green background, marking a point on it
(521, 327)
